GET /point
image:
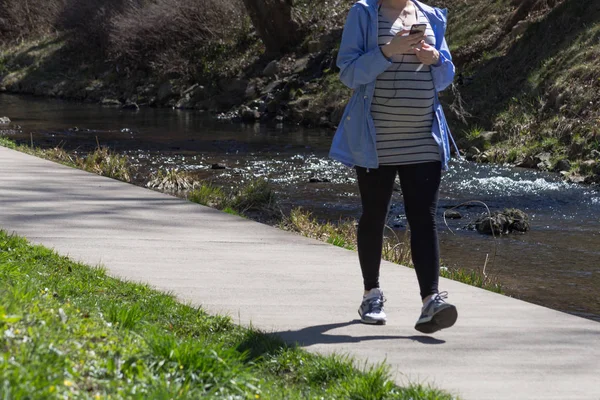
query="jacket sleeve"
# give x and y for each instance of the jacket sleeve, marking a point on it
(359, 66)
(443, 71)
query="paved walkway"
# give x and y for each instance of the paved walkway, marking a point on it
(304, 290)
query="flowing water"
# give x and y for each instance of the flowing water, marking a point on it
(556, 264)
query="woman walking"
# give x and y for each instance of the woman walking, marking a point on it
(393, 126)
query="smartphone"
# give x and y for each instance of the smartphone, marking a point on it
(418, 28)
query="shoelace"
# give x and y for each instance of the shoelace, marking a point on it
(440, 297)
(376, 304)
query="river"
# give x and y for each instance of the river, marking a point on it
(556, 264)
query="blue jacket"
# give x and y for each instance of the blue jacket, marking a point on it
(360, 61)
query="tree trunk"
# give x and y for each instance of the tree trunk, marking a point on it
(274, 22)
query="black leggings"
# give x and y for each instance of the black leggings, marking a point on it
(420, 187)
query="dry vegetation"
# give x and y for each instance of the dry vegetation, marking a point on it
(163, 37)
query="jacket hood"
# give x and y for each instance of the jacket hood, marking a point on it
(438, 13)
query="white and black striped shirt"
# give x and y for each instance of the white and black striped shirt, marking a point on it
(402, 106)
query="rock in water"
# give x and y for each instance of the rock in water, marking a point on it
(249, 115)
(4, 120)
(503, 222)
(453, 214)
(111, 102)
(130, 106)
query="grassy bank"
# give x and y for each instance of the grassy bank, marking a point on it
(70, 331)
(536, 89)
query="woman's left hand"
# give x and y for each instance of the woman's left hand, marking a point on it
(427, 54)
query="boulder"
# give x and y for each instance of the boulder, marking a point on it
(452, 214)
(324, 122)
(315, 46)
(527, 162)
(520, 28)
(4, 120)
(251, 90)
(165, 92)
(576, 178)
(235, 87)
(130, 106)
(191, 96)
(185, 103)
(301, 64)
(472, 153)
(503, 222)
(249, 115)
(273, 86)
(271, 69)
(562, 166)
(110, 102)
(273, 106)
(317, 179)
(543, 163)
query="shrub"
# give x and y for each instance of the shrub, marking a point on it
(171, 36)
(20, 19)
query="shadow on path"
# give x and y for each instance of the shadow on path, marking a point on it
(316, 335)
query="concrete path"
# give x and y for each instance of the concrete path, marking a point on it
(302, 289)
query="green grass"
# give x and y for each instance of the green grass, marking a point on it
(71, 331)
(209, 195)
(256, 195)
(472, 277)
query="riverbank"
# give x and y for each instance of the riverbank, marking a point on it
(513, 102)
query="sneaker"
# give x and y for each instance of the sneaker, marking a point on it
(436, 314)
(371, 308)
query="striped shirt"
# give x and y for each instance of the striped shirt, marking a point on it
(402, 106)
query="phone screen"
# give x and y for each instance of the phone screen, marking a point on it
(418, 28)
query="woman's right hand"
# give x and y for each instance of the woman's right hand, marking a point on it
(401, 44)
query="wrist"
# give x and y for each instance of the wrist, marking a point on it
(437, 58)
(386, 51)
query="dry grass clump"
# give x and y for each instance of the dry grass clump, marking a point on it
(171, 181)
(106, 163)
(342, 234)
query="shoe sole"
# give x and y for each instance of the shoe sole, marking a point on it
(442, 320)
(371, 321)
